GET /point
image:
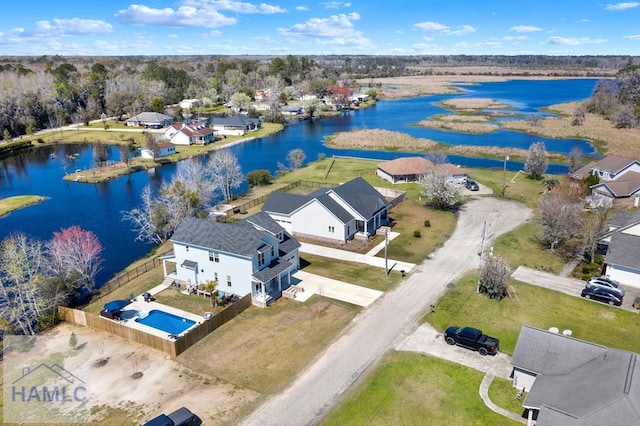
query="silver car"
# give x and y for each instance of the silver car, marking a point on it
(605, 282)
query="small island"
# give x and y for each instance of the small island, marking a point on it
(9, 204)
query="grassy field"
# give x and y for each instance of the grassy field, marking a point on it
(413, 389)
(538, 307)
(9, 204)
(503, 394)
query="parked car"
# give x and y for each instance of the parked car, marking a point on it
(607, 283)
(471, 338)
(181, 417)
(602, 294)
(472, 185)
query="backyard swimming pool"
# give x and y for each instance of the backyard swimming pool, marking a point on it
(170, 323)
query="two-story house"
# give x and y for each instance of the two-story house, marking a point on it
(254, 255)
(619, 181)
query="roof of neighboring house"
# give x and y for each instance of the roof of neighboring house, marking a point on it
(612, 164)
(578, 382)
(237, 120)
(624, 248)
(150, 117)
(196, 128)
(241, 238)
(416, 166)
(361, 196)
(264, 221)
(285, 203)
(624, 186)
(544, 352)
(406, 166)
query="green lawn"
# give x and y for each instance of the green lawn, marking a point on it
(414, 389)
(516, 185)
(9, 204)
(538, 307)
(503, 394)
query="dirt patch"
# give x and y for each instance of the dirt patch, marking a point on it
(142, 381)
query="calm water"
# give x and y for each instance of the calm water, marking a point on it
(99, 207)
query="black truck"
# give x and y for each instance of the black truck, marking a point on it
(471, 338)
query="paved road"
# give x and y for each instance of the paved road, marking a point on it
(390, 319)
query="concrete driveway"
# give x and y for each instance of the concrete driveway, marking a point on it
(339, 290)
(570, 286)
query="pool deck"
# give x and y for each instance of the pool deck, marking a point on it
(131, 311)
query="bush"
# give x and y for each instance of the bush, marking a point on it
(427, 224)
(417, 234)
(40, 140)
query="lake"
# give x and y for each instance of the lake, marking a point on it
(99, 207)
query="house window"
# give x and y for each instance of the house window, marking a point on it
(332, 229)
(214, 257)
(228, 280)
(260, 258)
(273, 251)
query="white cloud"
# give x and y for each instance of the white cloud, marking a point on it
(525, 29)
(302, 8)
(234, 6)
(573, 41)
(336, 29)
(431, 26)
(633, 37)
(622, 6)
(463, 30)
(74, 26)
(336, 5)
(184, 16)
(514, 38)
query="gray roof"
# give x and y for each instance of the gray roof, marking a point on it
(624, 250)
(273, 270)
(335, 208)
(240, 238)
(599, 392)
(264, 221)
(622, 218)
(363, 197)
(237, 120)
(151, 117)
(284, 202)
(578, 382)
(543, 352)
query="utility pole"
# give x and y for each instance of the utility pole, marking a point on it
(484, 235)
(386, 260)
(504, 174)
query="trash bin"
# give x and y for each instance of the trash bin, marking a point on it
(636, 303)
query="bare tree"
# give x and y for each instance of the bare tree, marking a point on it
(225, 172)
(151, 144)
(561, 216)
(596, 220)
(146, 220)
(197, 178)
(22, 266)
(537, 162)
(75, 254)
(492, 276)
(124, 154)
(579, 115)
(296, 157)
(100, 154)
(438, 185)
(575, 158)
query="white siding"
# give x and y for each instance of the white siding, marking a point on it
(626, 276)
(180, 139)
(315, 219)
(239, 268)
(522, 379)
(283, 220)
(384, 175)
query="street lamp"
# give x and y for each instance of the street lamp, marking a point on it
(504, 174)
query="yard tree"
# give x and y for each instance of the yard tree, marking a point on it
(492, 276)
(561, 216)
(197, 178)
(151, 143)
(537, 162)
(75, 254)
(443, 191)
(295, 158)
(240, 101)
(148, 221)
(259, 178)
(595, 223)
(225, 172)
(575, 158)
(124, 154)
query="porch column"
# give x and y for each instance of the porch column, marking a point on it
(164, 267)
(530, 418)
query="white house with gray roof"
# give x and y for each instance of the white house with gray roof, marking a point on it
(354, 209)
(254, 255)
(575, 382)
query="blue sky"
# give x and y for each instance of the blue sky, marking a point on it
(300, 27)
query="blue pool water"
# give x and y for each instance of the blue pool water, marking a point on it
(165, 321)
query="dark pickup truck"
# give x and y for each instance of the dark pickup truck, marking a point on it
(471, 338)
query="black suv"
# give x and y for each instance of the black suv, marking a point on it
(602, 294)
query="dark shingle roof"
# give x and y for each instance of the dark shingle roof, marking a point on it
(264, 221)
(624, 250)
(272, 271)
(237, 120)
(239, 238)
(544, 352)
(335, 208)
(284, 203)
(364, 198)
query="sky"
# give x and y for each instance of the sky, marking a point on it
(302, 27)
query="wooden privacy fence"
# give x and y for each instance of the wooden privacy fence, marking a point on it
(171, 347)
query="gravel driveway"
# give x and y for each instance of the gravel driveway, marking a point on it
(390, 319)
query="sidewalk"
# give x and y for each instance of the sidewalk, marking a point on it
(348, 256)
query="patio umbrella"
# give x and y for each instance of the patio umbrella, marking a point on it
(115, 305)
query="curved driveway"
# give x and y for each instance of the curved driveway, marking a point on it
(375, 330)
